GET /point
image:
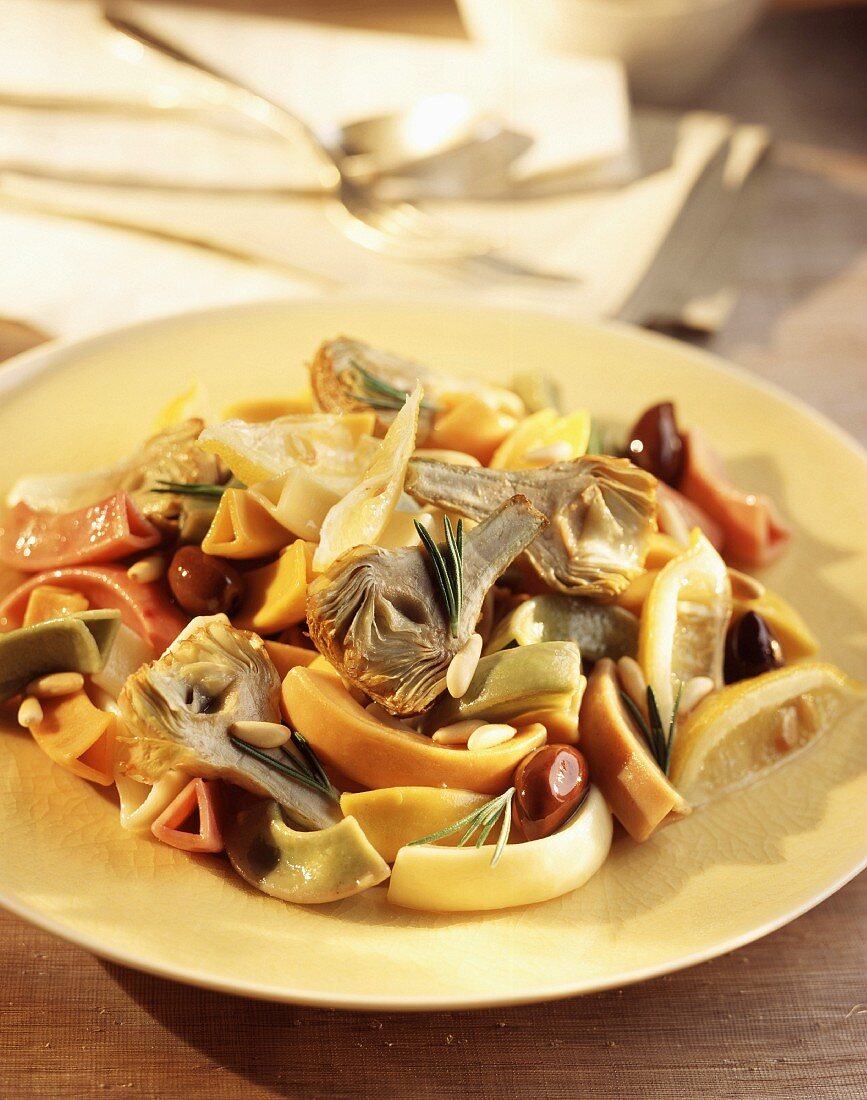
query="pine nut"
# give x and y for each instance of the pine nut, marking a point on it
(29, 713)
(55, 684)
(694, 691)
(808, 713)
(458, 733)
(452, 458)
(671, 521)
(561, 451)
(489, 735)
(147, 570)
(745, 587)
(262, 735)
(787, 729)
(462, 667)
(633, 682)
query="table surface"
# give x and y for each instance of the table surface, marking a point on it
(783, 1018)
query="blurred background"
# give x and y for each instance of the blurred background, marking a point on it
(695, 166)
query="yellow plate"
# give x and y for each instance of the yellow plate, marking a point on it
(721, 878)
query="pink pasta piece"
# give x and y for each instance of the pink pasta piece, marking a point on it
(692, 514)
(114, 528)
(754, 533)
(144, 608)
(199, 794)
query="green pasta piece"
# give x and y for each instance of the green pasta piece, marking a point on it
(79, 642)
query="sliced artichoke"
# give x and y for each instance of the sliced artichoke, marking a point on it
(350, 376)
(170, 455)
(178, 712)
(598, 629)
(601, 511)
(379, 617)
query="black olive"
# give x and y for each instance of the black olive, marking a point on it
(655, 444)
(202, 584)
(751, 649)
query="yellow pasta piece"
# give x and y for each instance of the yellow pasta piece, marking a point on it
(270, 408)
(48, 601)
(242, 528)
(276, 595)
(78, 736)
(544, 438)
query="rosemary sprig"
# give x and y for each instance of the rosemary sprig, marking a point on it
(448, 567)
(182, 489)
(659, 742)
(382, 395)
(308, 771)
(480, 822)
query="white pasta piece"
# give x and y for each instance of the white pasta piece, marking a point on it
(141, 804)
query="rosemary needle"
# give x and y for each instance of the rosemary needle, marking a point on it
(448, 567)
(182, 489)
(658, 741)
(389, 397)
(292, 772)
(482, 822)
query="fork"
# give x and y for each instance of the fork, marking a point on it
(394, 228)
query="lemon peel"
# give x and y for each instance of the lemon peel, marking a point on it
(360, 518)
(684, 621)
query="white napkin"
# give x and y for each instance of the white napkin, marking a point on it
(606, 241)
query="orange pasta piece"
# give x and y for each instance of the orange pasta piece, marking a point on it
(270, 408)
(471, 426)
(78, 736)
(276, 595)
(284, 656)
(242, 528)
(48, 601)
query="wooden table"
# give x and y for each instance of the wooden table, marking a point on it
(784, 1018)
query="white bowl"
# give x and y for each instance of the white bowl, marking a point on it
(670, 47)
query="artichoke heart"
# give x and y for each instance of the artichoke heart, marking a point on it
(178, 713)
(378, 615)
(342, 370)
(601, 510)
(172, 455)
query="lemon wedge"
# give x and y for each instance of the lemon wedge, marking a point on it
(257, 452)
(544, 438)
(363, 514)
(683, 622)
(739, 733)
